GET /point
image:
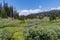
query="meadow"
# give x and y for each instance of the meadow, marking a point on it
(15, 29)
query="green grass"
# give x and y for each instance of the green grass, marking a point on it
(17, 32)
(14, 26)
(12, 23)
(18, 27)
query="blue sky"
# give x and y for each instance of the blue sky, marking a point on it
(25, 7)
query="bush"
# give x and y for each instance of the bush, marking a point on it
(43, 33)
(6, 35)
(52, 16)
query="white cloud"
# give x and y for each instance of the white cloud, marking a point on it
(30, 11)
(58, 8)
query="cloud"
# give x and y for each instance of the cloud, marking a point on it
(58, 8)
(30, 11)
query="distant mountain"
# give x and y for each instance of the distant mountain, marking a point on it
(57, 12)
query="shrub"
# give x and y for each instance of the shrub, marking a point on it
(43, 33)
(52, 16)
(6, 35)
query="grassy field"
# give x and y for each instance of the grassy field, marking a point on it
(17, 27)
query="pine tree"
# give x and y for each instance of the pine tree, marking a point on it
(0, 9)
(5, 10)
(11, 12)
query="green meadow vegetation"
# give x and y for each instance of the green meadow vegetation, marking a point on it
(47, 30)
(15, 29)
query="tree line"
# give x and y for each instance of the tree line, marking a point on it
(8, 11)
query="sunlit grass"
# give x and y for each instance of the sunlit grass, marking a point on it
(18, 26)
